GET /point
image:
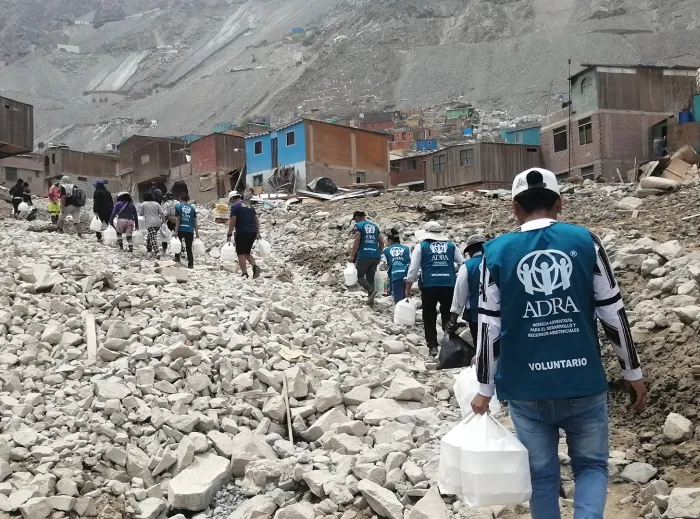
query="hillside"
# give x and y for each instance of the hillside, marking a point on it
(190, 64)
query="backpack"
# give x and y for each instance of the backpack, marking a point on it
(78, 196)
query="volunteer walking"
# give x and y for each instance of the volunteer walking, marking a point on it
(398, 257)
(366, 252)
(542, 288)
(244, 226)
(466, 296)
(434, 258)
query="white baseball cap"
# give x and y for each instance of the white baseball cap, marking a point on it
(535, 178)
(232, 194)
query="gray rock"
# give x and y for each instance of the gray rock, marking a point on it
(275, 409)
(36, 508)
(249, 447)
(193, 488)
(394, 347)
(324, 424)
(151, 508)
(111, 389)
(638, 473)
(677, 428)
(655, 488)
(258, 507)
(381, 500)
(684, 503)
(223, 443)
(405, 388)
(431, 506)
(315, 481)
(328, 395)
(119, 330)
(296, 511)
(357, 395)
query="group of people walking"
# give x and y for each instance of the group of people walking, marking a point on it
(531, 298)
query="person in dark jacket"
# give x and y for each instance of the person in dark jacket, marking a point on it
(102, 205)
(17, 193)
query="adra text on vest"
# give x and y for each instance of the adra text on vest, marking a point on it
(558, 364)
(553, 306)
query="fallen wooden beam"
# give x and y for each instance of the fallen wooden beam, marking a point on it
(90, 335)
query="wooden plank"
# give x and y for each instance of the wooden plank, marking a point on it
(90, 335)
(285, 394)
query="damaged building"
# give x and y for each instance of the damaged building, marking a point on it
(289, 157)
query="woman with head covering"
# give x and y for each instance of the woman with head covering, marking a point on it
(127, 219)
(102, 205)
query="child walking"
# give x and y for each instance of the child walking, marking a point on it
(186, 227)
(127, 219)
(152, 213)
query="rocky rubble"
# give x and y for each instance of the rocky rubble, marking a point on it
(178, 404)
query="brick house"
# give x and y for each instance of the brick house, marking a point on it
(408, 171)
(613, 112)
(378, 122)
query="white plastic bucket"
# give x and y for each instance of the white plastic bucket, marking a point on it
(110, 236)
(381, 282)
(405, 313)
(350, 274)
(198, 248)
(176, 245)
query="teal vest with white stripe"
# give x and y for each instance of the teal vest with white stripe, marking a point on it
(473, 265)
(437, 264)
(548, 347)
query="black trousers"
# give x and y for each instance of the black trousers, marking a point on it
(431, 297)
(474, 329)
(188, 238)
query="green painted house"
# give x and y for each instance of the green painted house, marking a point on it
(458, 113)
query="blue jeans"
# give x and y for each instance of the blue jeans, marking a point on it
(585, 421)
(398, 288)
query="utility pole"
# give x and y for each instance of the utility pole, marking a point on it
(570, 130)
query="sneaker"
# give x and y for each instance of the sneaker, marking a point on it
(433, 350)
(371, 297)
(256, 272)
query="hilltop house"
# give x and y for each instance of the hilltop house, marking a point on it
(16, 127)
(294, 154)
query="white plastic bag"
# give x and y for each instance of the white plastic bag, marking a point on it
(96, 224)
(198, 248)
(137, 238)
(228, 253)
(466, 388)
(350, 274)
(110, 236)
(23, 207)
(165, 234)
(264, 248)
(483, 464)
(175, 245)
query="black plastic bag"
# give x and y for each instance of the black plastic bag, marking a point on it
(455, 352)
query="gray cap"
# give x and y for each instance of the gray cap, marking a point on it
(476, 239)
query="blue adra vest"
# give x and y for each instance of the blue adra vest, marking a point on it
(473, 265)
(438, 264)
(398, 257)
(549, 346)
(369, 240)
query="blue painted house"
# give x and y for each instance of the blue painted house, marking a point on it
(529, 136)
(427, 144)
(306, 149)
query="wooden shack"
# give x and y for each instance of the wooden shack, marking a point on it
(16, 128)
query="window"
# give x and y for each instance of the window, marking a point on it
(586, 84)
(82, 179)
(360, 177)
(37, 174)
(560, 139)
(412, 165)
(466, 157)
(53, 158)
(258, 149)
(291, 139)
(439, 163)
(257, 179)
(11, 174)
(518, 137)
(585, 131)
(588, 172)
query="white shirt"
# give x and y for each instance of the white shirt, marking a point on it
(460, 300)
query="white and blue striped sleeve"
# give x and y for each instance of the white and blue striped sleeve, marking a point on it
(414, 268)
(461, 295)
(488, 350)
(610, 311)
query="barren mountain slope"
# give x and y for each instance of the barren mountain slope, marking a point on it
(191, 64)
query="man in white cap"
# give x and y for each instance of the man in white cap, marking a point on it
(466, 296)
(434, 258)
(542, 288)
(244, 226)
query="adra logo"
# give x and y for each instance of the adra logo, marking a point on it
(438, 247)
(544, 272)
(396, 252)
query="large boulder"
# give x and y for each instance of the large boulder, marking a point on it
(193, 488)
(381, 500)
(249, 447)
